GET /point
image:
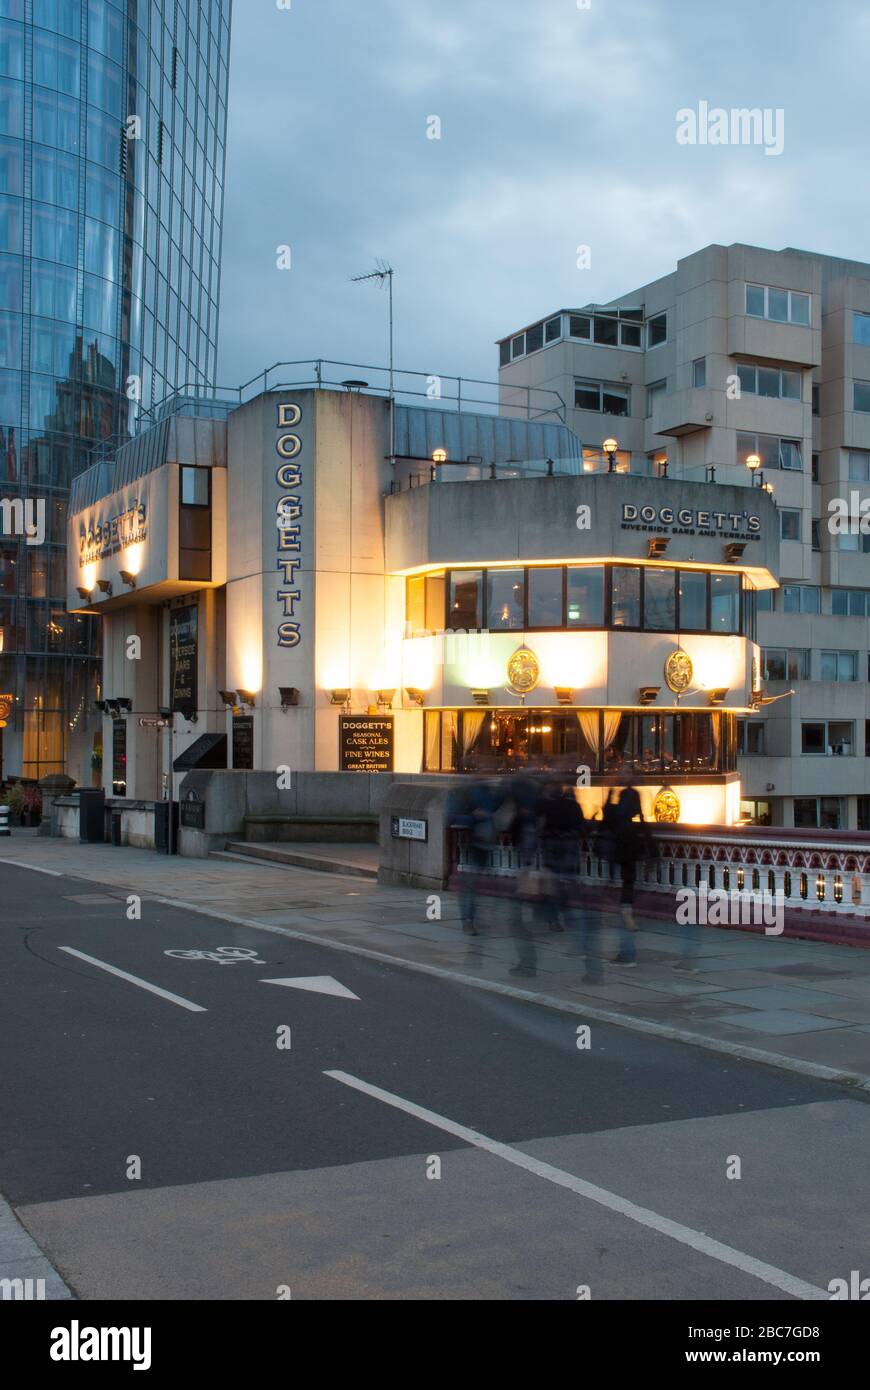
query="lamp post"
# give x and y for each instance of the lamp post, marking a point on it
(753, 463)
(610, 447)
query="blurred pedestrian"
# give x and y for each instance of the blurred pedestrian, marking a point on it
(631, 841)
(472, 807)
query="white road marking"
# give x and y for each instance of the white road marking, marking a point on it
(135, 980)
(19, 864)
(696, 1240)
(317, 984)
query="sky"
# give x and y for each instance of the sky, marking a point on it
(558, 125)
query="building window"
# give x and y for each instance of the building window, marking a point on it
(505, 600)
(625, 596)
(861, 329)
(839, 666)
(800, 598)
(504, 353)
(862, 396)
(750, 738)
(789, 523)
(545, 597)
(579, 326)
(518, 345)
(780, 306)
(604, 397)
(194, 524)
(773, 451)
(770, 381)
(828, 738)
(699, 372)
(553, 329)
(754, 812)
(816, 533)
(660, 600)
(424, 603)
(764, 600)
(849, 603)
(657, 330)
(819, 813)
(693, 601)
(786, 663)
(653, 392)
(465, 606)
(585, 597)
(859, 466)
(817, 396)
(864, 812)
(814, 467)
(725, 603)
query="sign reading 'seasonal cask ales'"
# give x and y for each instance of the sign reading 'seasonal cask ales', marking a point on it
(365, 743)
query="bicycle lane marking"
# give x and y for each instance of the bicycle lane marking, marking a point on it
(685, 1235)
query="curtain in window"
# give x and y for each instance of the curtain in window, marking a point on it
(472, 723)
(588, 722)
(717, 735)
(433, 740)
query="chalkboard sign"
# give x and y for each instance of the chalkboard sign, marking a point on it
(119, 757)
(193, 812)
(365, 743)
(243, 742)
(183, 657)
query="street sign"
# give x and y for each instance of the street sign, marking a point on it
(404, 828)
(153, 723)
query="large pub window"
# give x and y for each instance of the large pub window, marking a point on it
(194, 524)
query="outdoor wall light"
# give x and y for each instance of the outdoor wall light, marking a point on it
(417, 696)
(104, 586)
(229, 697)
(564, 694)
(248, 697)
(339, 697)
(734, 551)
(656, 547)
(289, 696)
(610, 447)
(126, 705)
(717, 696)
(84, 593)
(101, 705)
(112, 709)
(480, 697)
(648, 694)
(385, 699)
(128, 578)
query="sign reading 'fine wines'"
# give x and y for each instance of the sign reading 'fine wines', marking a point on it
(289, 522)
(365, 743)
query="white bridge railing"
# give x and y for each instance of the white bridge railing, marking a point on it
(812, 870)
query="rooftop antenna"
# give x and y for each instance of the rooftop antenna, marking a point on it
(384, 273)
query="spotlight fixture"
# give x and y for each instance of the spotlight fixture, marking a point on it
(648, 694)
(480, 697)
(289, 696)
(229, 698)
(105, 586)
(112, 709)
(657, 546)
(128, 578)
(165, 713)
(248, 697)
(734, 551)
(385, 699)
(717, 695)
(84, 593)
(125, 705)
(564, 694)
(339, 697)
(101, 705)
(418, 697)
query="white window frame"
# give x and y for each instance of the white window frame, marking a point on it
(780, 440)
(791, 511)
(653, 391)
(702, 363)
(780, 289)
(826, 725)
(839, 656)
(614, 387)
(856, 315)
(650, 347)
(859, 409)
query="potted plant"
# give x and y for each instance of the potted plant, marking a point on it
(32, 807)
(15, 801)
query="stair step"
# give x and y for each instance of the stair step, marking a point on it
(294, 858)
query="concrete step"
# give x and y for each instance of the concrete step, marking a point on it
(350, 860)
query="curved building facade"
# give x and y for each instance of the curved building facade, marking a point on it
(112, 134)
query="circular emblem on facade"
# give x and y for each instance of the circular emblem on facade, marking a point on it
(678, 671)
(666, 807)
(523, 671)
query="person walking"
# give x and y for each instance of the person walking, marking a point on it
(631, 841)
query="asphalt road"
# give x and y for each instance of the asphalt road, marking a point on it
(310, 1170)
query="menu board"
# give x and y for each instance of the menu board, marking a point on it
(365, 743)
(243, 742)
(119, 757)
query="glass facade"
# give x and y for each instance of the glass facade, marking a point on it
(112, 134)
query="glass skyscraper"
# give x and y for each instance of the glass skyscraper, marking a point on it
(112, 135)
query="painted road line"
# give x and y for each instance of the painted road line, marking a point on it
(135, 980)
(696, 1240)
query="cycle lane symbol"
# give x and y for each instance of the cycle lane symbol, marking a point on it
(223, 955)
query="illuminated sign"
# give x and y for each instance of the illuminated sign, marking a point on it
(288, 476)
(115, 533)
(365, 743)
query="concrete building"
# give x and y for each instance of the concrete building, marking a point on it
(279, 594)
(747, 356)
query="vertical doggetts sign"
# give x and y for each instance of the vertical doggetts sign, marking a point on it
(183, 653)
(289, 522)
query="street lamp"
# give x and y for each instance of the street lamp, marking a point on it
(753, 463)
(610, 447)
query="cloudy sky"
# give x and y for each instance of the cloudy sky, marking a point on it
(558, 130)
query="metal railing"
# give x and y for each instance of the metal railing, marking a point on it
(439, 390)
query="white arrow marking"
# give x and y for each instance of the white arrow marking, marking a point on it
(317, 984)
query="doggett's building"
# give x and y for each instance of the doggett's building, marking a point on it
(319, 581)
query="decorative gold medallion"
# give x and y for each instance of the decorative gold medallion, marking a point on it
(666, 807)
(523, 671)
(678, 671)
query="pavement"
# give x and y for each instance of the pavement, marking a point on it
(200, 1107)
(802, 1005)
